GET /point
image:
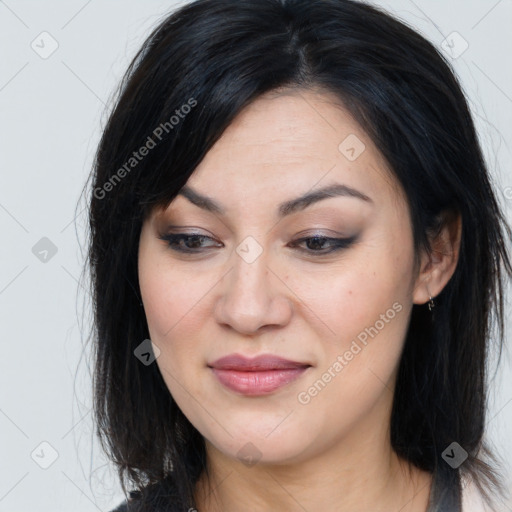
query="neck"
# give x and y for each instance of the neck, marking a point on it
(360, 472)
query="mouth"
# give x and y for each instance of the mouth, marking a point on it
(256, 376)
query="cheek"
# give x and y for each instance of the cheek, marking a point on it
(171, 306)
(170, 299)
(171, 303)
(174, 319)
(367, 309)
(352, 295)
(165, 302)
(357, 365)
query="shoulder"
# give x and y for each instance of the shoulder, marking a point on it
(122, 507)
(157, 497)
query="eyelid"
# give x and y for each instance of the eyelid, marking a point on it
(337, 243)
(311, 233)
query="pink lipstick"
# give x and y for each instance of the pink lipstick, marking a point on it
(256, 376)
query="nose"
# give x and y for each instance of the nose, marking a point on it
(253, 296)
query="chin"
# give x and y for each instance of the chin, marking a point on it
(260, 441)
(255, 450)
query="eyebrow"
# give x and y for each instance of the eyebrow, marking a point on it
(284, 209)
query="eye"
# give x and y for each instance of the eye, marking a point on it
(316, 244)
(191, 243)
(181, 242)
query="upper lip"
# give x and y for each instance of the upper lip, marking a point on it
(259, 363)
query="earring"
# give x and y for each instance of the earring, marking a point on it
(431, 303)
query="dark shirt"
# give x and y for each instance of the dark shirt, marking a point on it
(445, 496)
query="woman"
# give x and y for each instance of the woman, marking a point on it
(295, 252)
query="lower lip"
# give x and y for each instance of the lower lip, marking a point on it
(257, 383)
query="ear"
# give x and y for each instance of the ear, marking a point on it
(437, 268)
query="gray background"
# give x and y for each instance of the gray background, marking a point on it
(51, 113)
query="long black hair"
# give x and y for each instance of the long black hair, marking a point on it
(193, 75)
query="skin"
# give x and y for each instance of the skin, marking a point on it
(332, 453)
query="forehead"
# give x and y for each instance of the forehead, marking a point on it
(286, 143)
(290, 125)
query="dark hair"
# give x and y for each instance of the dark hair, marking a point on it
(193, 75)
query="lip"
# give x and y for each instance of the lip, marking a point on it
(260, 375)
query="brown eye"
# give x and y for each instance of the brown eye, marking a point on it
(186, 242)
(192, 243)
(317, 244)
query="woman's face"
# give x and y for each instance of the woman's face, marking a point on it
(253, 287)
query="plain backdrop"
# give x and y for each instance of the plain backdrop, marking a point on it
(60, 62)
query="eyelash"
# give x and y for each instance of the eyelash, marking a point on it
(339, 243)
